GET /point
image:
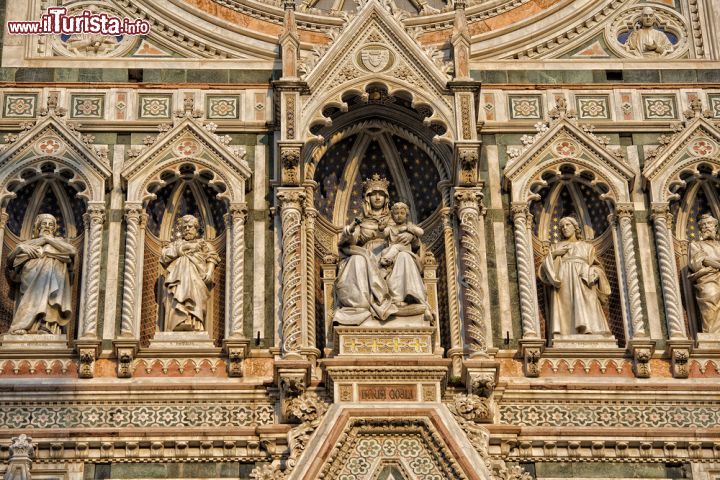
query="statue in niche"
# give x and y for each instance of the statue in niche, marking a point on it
(705, 266)
(578, 284)
(647, 39)
(42, 267)
(190, 262)
(363, 289)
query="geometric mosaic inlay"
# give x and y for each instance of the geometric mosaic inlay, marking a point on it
(225, 106)
(526, 107)
(87, 106)
(20, 105)
(155, 106)
(659, 107)
(593, 107)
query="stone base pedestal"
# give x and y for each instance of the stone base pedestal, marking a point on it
(34, 342)
(377, 341)
(181, 341)
(708, 341)
(591, 341)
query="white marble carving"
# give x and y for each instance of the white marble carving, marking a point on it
(190, 263)
(577, 283)
(646, 38)
(41, 266)
(704, 264)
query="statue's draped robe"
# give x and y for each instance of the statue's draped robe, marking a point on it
(575, 301)
(707, 283)
(186, 292)
(360, 289)
(404, 280)
(649, 40)
(45, 288)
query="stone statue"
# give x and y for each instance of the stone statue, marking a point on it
(648, 39)
(577, 284)
(363, 290)
(42, 267)
(190, 262)
(704, 264)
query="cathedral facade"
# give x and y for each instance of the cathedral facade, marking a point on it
(360, 239)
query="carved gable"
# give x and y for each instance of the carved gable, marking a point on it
(188, 142)
(698, 142)
(561, 143)
(53, 139)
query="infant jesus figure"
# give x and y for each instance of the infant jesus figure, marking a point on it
(400, 258)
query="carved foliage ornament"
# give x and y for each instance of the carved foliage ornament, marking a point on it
(648, 32)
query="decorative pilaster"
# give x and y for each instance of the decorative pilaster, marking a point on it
(468, 202)
(456, 344)
(291, 202)
(625, 213)
(662, 218)
(329, 274)
(20, 459)
(235, 344)
(309, 278)
(135, 220)
(526, 271)
(94, 219)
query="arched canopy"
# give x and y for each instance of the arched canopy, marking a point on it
(51, 149)
(189, 149)
(562, 150)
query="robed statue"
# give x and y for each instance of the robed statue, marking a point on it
(704, 263)
(577, 284)
(379, 276)
(42, 267)
(647, 39)
(190, 262)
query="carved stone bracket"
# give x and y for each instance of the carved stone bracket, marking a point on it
(530, 351)
(481, 377)
(88, 351)
(292, 378)
(468, 158)
(125, 351)
(20, 461)
(236, 350)
(290, 154)
(679, 351)
(641, 351)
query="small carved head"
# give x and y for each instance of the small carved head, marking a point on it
(568, 226)
(399, 212)
(708, 226)
(44, 225)
(189, 227)
(648, 17)
(376, 191)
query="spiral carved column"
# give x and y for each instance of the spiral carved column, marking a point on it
(309, 281)
(291, 202)
(235, 219)
(135, 219)
(526, 271)
(624, 214)
(456, 344)
(468, 202)
(662, 218)
(94, 219)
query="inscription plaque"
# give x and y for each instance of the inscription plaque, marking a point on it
(387, 393)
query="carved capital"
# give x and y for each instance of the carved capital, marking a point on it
(624, 211)
(291, 199)
(95, 215)
(661, 213)
(135, 215)
(469, 198)
(236, 213)
(519, 212)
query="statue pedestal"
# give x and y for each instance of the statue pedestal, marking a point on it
(581, 341)
(393, 341)
(386, 364)
(34, 342)
(181, 341)
(708, 341)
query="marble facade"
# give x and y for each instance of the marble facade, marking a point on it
(239, 196)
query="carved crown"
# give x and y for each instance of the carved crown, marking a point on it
(376, 183)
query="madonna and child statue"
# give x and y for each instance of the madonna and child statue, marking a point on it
(379, 279)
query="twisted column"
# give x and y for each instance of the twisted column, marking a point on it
(135, 220)
(310, 216)
(625, 212)
(456, 343)
(235, 220)
(662, 218)
(526, 270)
(291, 205)
(94, 219)
(469, 210)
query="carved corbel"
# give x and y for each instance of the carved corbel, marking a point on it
(468, 158)
(679, 351)
(290, 164)
(531, 350)
(641, 351)
(481, 376)
(20, 461)
(237, 351)
(292, 379)
(88, 351)
(125, 351)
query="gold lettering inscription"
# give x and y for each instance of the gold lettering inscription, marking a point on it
(387, 393)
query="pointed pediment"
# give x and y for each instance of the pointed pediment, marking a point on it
(52, 138)
(564, 142)
(189, 141)
(698, 142)
(375, 44)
